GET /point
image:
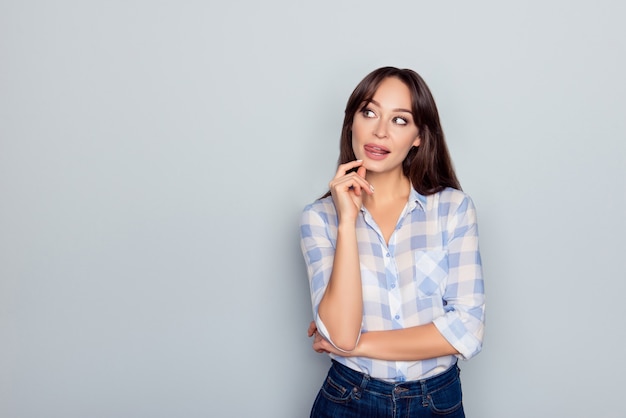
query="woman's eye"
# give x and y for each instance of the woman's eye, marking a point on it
(368, 113)
(400, 121)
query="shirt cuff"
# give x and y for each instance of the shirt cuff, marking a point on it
(456, 333)
(321, 328)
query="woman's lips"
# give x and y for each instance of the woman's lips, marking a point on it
(376, 152)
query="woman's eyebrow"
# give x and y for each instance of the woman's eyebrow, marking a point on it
(393, 110)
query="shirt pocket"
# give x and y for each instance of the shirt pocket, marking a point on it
(431, 272)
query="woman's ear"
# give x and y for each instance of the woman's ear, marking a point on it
(418, 138)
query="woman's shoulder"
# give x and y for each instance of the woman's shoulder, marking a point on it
(323, 208)
(453, 199)
(322, 204)
(453, 195)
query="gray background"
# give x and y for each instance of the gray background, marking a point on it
(155, 157)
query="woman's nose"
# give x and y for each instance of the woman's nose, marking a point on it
(380, 130)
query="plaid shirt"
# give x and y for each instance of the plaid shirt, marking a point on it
(429, 272)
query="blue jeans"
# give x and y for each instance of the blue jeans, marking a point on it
(347, 393)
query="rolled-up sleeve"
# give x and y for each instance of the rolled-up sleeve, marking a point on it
(463, 322)
(318, 248)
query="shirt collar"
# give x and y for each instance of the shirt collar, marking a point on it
(416, 199)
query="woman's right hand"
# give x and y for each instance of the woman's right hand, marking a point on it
(347, 189)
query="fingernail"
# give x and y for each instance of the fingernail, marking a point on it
(372, 188)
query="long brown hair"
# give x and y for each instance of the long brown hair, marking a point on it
(428, 166)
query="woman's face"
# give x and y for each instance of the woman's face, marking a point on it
(383, 130)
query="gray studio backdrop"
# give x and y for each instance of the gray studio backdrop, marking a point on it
(155, 157)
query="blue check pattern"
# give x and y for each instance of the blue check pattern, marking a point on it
(429, 272)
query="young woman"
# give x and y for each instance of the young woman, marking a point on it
(393, 261)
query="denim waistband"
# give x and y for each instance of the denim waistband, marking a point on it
(410, 388)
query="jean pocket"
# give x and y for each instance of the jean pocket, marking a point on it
(431, 271)
(447, 400)
(335, 391)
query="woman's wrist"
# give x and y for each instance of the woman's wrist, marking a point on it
(361, 348)
(347, 227)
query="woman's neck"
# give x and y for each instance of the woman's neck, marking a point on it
(387, 187)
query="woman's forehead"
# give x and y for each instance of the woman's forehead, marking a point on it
(392, 93)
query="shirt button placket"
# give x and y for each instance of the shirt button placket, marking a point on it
(395, 304)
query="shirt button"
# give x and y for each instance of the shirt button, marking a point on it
(393, 286)
(388, 255)
(397, 316)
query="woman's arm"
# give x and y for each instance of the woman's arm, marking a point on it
(341, 307)
(409, 344)
(340, 310)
